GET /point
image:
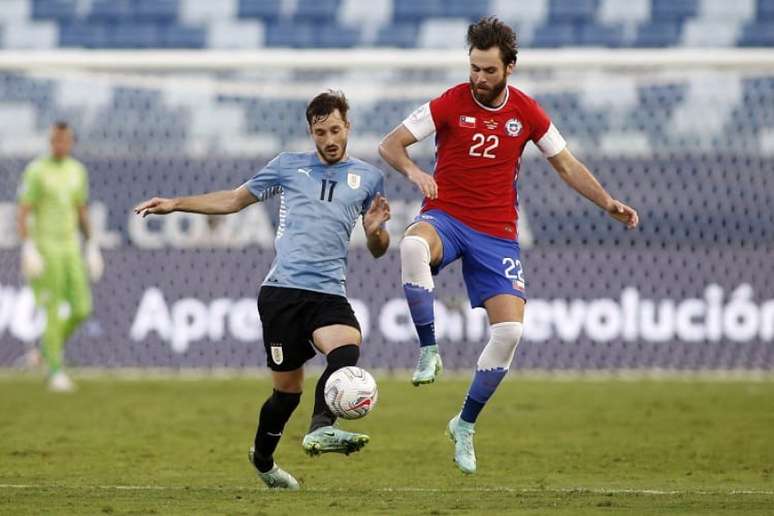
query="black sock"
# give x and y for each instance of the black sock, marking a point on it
(340, 357)
(274, 414)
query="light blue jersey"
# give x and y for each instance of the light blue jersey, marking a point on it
(319, 205)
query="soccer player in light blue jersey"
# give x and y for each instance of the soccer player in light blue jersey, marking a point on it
(302, 301)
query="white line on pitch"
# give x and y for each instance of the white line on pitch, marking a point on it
(568, 490)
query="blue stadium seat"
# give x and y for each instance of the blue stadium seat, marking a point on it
(554, 35)
(317, 11)
(158, 11)
(291, 35)
(562, 11)
(758, 34)
(416, 10)
(470, 9)
(111, 11)
(83, 35)
(400, 35)
(658, 34)
(336, 36)
(267, 10)
(181, 36)
(596, 35)
(765, 10)
(134, 35)
(674, 9)
(60, 10)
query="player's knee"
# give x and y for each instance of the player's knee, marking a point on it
(284, 402)
(498, 352)
(415, 261)
(343, 356)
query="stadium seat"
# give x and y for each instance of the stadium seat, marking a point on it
(721, 10)
(416, 10)
(156, 11)
(37, 35)
(59, 10)
(596, 35)
(757, 34)
(267, 10)
(335, 36)
(554, 35)
(671, 10)
(471, 10)
(180, 36)
(291, 35)
(616, 11)
(765, 10)
(703, 32)
(111, 11)
(83, 35)
(400, 35)
(658, 34)
(316, 11)
(560, 11)
(15, 11)
(134, 35)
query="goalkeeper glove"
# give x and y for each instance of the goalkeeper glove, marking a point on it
(32, 263)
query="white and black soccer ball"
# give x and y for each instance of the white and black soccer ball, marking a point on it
(351, 392)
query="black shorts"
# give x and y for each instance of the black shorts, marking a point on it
(289, 317)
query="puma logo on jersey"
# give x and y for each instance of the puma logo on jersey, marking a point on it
(305, 171)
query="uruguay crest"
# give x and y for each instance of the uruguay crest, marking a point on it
(276, 353)
(513, 127)
(353, 180)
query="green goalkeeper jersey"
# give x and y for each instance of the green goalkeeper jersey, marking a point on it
(54, 189)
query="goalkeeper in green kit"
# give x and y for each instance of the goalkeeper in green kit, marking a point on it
(52, 206)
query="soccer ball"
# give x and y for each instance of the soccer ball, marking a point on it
(351, 392)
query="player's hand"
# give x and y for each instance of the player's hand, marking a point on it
(32, 263)
(377, 215)
(624, 214)
(94, 261)
(425, 182)
(155, 206)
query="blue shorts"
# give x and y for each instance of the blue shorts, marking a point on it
(490, 265)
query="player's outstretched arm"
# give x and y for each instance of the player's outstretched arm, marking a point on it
(575, 174)
(213, 203)
(378, 239)
(392, 149)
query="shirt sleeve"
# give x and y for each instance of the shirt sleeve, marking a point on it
(420, 123)
(29, 188)
(267, 182)
(376, 190)
(545, 134)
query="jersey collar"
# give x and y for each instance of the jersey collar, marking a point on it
(498, 108)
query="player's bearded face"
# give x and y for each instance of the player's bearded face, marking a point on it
(488, 75)
(330, 136)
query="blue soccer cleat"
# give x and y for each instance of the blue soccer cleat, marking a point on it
(461, 433)
(429, 366)
(329, 439)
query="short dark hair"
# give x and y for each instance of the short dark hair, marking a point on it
(490, 32)
(326, 103)
(61, 125)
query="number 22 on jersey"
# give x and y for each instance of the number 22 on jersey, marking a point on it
(484, 146)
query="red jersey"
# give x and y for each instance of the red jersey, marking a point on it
(478, 154)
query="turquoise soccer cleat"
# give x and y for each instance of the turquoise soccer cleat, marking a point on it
(329, 439)
(429, 366)
(276, 477)
(461, 433)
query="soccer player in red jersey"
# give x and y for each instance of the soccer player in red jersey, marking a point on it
(470, 209)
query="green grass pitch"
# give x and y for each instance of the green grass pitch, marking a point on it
(544, 447)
